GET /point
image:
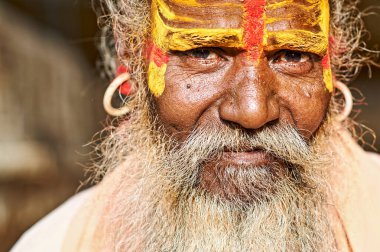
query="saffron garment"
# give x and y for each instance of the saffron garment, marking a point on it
(73, 226)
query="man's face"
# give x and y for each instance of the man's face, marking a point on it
(239, 64)
(241, 88)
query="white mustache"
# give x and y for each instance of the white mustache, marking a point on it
(281, 141)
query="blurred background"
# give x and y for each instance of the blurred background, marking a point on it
(51, 104)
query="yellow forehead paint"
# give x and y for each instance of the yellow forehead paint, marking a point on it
(252, 36)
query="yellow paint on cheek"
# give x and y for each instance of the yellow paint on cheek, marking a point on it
(156, 78)
(328, 79)
(327, 73)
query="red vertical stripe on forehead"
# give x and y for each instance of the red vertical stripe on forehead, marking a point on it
(254, 27)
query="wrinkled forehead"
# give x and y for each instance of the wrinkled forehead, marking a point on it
(202, 13)
(290, 24)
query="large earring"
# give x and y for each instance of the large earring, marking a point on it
(115, 85)
(348, 100)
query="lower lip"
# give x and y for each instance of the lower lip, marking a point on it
(252, 158)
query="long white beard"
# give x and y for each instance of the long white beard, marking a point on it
(164, 209)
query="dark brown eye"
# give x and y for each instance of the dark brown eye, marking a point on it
(202, 59)
(293, 56)
(288, 56)
(202, 53)
(293, 62)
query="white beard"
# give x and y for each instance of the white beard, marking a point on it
(163, 209)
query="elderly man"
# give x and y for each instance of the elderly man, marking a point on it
(231, 138)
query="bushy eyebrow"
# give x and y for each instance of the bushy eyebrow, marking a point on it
(187, 39)
(299, 40)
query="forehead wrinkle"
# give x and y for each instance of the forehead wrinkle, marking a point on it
(207, 3)
(168, 14)
(316, 9)
(289, 10)
(298, 25)
(300, 15)
(182, 39)
(283, 3)
(201, 7)
(168, 37)
(182, 16)
(310, 21)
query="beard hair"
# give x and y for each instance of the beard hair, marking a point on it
(159, 204)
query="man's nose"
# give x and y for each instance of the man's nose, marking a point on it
(251, 100)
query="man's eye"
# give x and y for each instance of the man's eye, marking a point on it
(202, 53)
(293, 62)
(291, 57)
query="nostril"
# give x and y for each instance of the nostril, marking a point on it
(273, 122)
(236, 125)
(231, 125)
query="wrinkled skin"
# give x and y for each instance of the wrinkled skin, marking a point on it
(224, 87)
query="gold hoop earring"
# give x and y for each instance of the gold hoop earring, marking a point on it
(348, 100)
(116, 83)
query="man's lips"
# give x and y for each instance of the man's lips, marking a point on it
(256, 157)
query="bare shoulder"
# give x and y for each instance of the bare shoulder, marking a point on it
(48, 234)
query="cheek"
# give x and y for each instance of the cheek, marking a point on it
(307, 104)
(187, 98)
